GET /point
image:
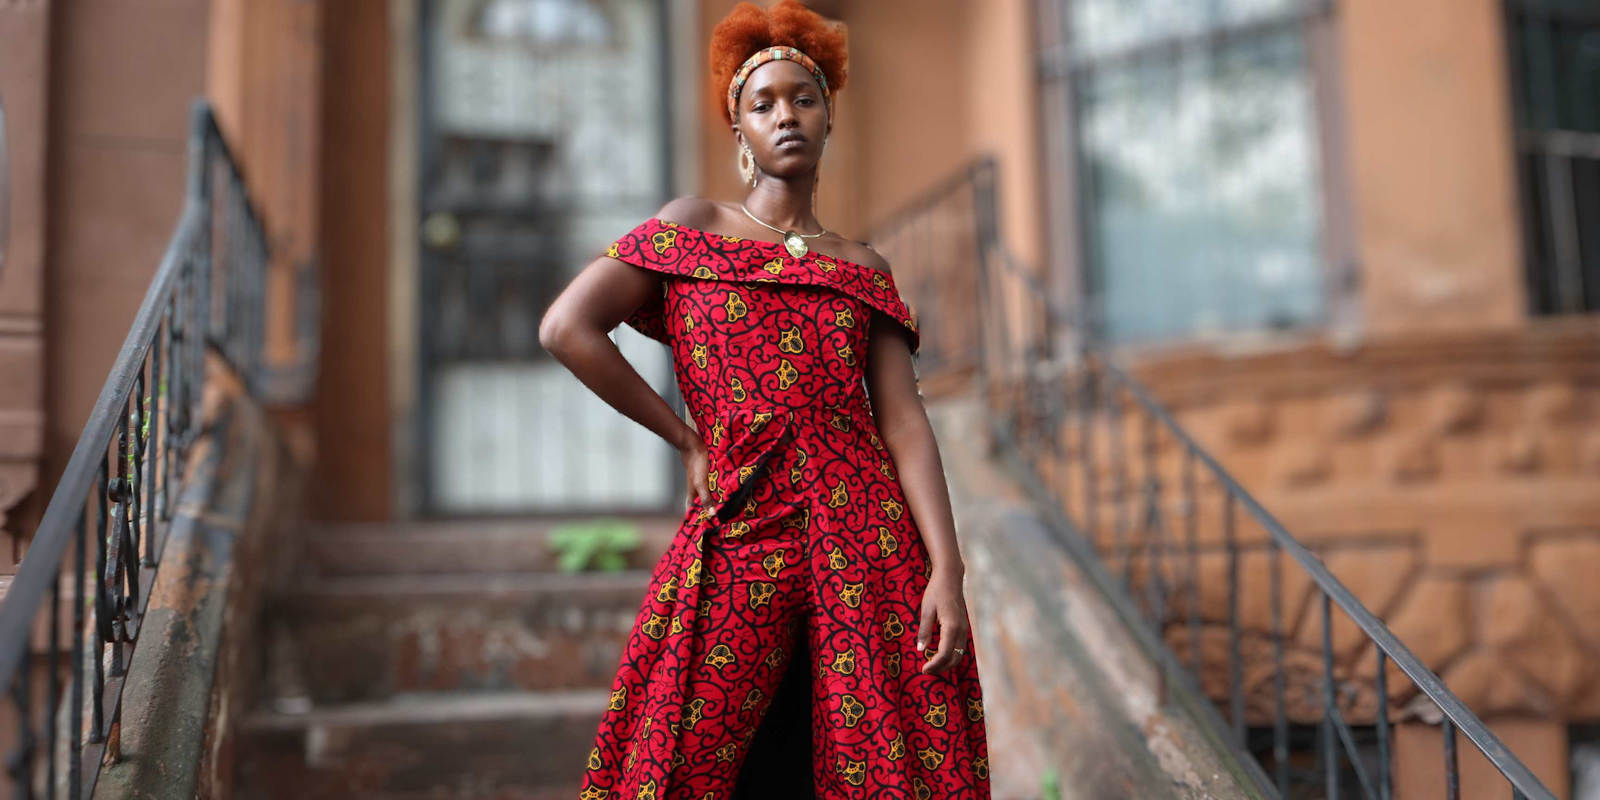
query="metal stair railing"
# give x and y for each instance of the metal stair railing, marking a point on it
(1064, 414)
(117, 496)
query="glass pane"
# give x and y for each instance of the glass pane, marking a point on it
(544, 22)
(1558, 47)
(585, 120)
(544, 140)
(1101, 26)
(1556, 73)
(1202, 191)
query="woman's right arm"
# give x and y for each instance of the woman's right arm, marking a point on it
(574, 330)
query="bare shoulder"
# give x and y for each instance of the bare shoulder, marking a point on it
(696, 212)
(863, 254)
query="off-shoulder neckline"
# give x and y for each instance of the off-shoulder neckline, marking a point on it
(811, 255)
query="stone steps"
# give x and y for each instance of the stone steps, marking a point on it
(437, 660)
(348, 639)
(455, 547)
(507, 745)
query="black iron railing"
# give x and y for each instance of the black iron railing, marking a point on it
(1160, 525)
(117, 496)
(934, 237)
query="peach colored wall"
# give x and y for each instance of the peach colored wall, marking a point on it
(933, 83)
(1430, 151)
(1002, 116)
(24, 81)
(352, 422)
(910, 90)
(264, 78)
(123, 74)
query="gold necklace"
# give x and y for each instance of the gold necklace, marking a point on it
(793, 241)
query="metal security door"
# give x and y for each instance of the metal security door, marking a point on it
(544, 136)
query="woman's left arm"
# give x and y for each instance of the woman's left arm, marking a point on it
(902, 422)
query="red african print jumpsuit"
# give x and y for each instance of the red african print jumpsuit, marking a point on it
(807, 535)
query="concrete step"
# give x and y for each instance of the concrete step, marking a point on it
(482, 746)
(348, 639)
(454, 547)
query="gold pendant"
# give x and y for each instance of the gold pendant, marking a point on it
(795, 245)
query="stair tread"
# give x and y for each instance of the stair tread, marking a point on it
(465, 582)
(430, 707)
(510, 529)
(482, 546)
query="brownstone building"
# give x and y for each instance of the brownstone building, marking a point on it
(1352, 245)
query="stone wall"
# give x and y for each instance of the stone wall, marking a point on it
(1450, 481)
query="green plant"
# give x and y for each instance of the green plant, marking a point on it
(1050, 785)
(598, 545)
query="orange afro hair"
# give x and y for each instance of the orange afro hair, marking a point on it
(749, 27)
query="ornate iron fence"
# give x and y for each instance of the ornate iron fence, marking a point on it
(935, 240)
(1160, 525)
(116, 497)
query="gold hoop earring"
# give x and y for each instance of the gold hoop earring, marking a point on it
(747, 164)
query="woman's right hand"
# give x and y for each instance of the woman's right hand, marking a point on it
(696, 466)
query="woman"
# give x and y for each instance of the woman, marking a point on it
(808, 616)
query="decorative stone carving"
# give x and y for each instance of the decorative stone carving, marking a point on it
(1454, 456)
(1249, 423)
(1376, 575)
(1414, 458)
(1554, 403)
(1566, 569)
(1454, 408)
(1589, 453)
(1432, 619)
(1520, 451)
(1482, 681)
(1306, 466)
(1357, 413)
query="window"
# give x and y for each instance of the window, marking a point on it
(1192, 162)
(1554, 59)
(545, 22)
(543, 135)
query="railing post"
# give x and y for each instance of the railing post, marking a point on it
(1280, 722)
(1385, 784)
(203, 187)
(1452, 770)
(1330, 749)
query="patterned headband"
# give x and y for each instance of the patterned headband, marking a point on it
(775, 53)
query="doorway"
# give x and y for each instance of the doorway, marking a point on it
(542, 135)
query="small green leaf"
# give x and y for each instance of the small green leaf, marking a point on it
(1049, 785)
(596, 544)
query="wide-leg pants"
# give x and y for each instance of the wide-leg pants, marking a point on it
(879, 727)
